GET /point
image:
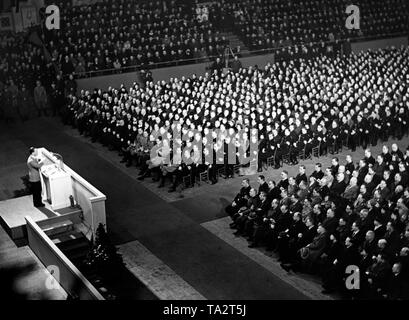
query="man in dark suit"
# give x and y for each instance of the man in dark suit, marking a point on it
(289, 236)
(296, 205)
(318, 174)
(330, 223)
(338, 187)
(34, 164)
(351, 191)
(256, 218)
(263, 186)
(280, 223)
(263, 230)
(393, 239)
(239, 199)
(312, 252)
(349, 166)
(379, 228)
(362, 171)
(334, 166)
(370, 245)
(369, 159)
(273, 191)
(241, 217)
(357, 236)
(379, 168)
(333, 277)
(397, 285)
(301, 176)
(308, 235)
(377, 275)
(283, 183)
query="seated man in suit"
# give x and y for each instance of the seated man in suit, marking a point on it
(288, 237)
(263, 186)
(377, 276)
(256, 218)
(349, 166)
(240, 198)
(301, 176)
(318, 174)
(397, 287)
(308, 255)
(351, 191)
(334, 276)
(242, 215)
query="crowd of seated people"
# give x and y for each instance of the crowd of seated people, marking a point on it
(348, 215)
(298, 106)
(117, 34)
(266, 24)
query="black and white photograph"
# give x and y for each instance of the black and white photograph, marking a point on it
(204, 155)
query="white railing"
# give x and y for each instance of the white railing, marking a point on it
(64, 272)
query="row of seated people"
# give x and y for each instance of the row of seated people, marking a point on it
(268, 24)
(350, 215)
(297, 106)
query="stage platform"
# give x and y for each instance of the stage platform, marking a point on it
(13, 212)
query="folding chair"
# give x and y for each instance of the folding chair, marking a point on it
(316, 151)
(303, 154)
(253, 166)
(221, 171)
(271, 161)
(203, 177)
(332, 148)
(286, 158)
(236, 168)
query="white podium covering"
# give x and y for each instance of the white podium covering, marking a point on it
(57, 186)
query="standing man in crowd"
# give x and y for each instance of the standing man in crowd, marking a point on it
(236, 65)
(56, 99)
(40, 98)
(218, 66)
(34, 164)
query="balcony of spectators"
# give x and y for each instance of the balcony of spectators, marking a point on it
(268, 24)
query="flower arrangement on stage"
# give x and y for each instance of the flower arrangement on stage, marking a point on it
(103, 253)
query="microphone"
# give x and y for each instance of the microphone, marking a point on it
(60, 158)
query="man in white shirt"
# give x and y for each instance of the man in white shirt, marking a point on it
(34, 164)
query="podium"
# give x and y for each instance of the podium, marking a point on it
(59, 182)
(57, 186)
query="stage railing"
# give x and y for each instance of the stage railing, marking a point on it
(63, 270)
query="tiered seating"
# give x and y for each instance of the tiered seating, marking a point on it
(119, 34)
(279, 23)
